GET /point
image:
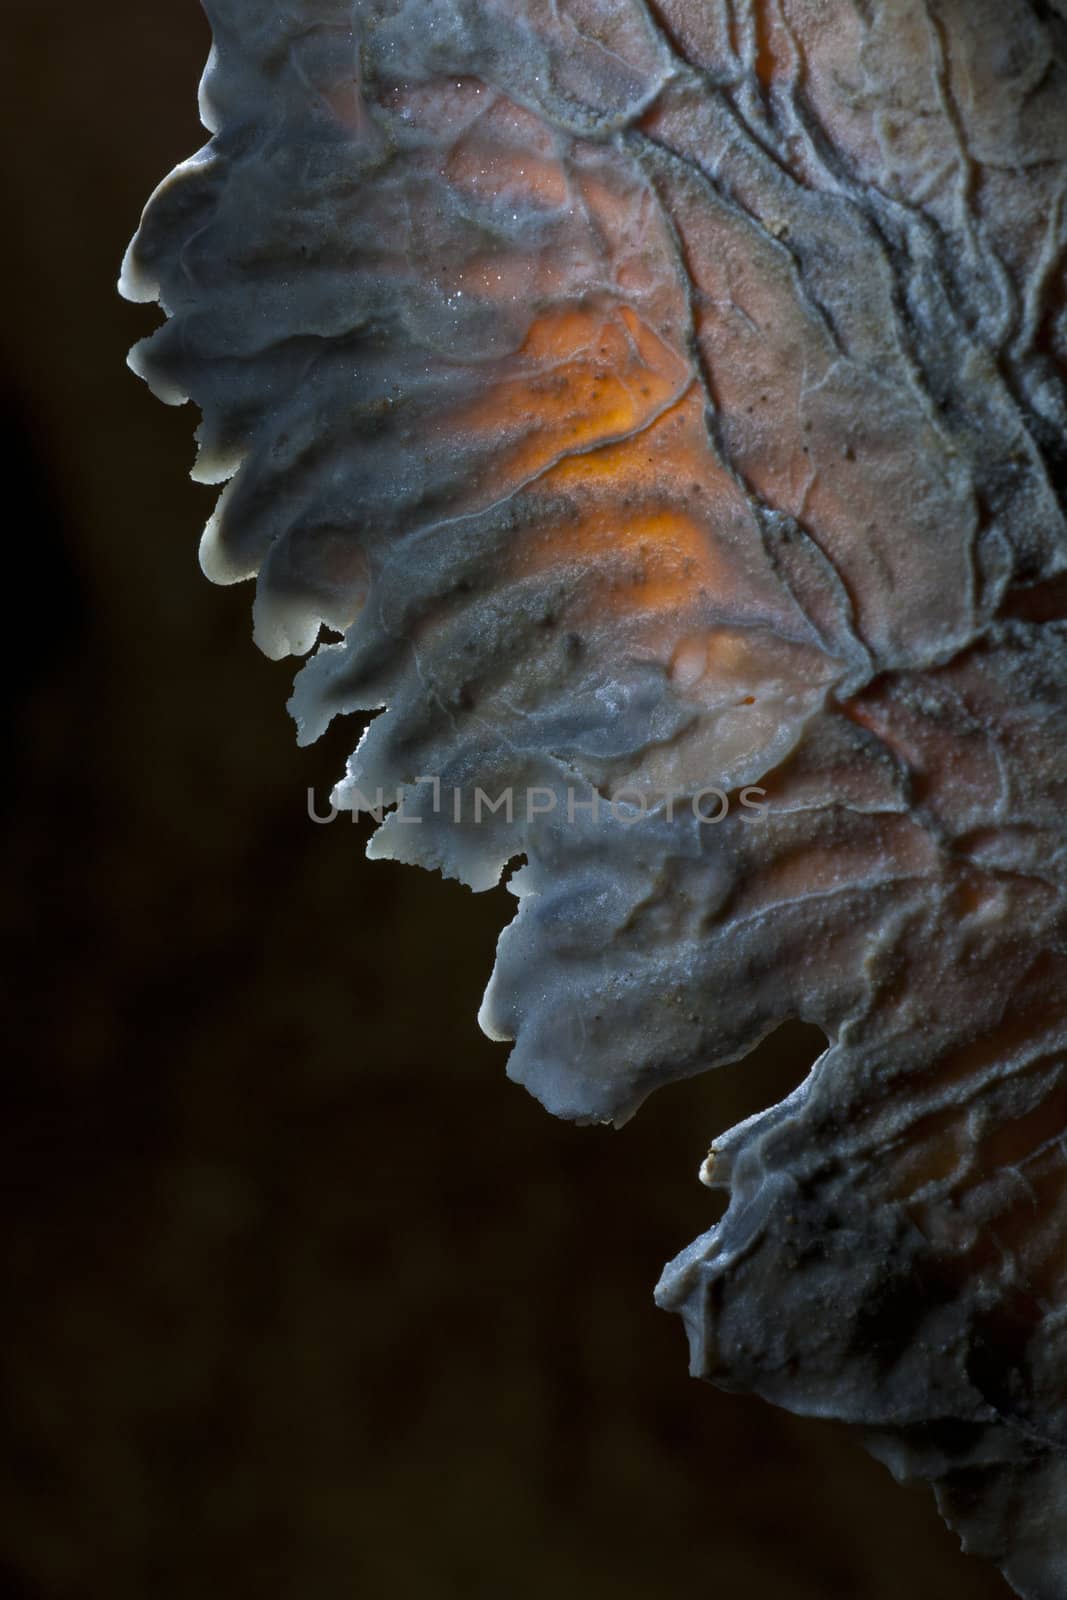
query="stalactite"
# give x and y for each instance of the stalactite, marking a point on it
(665, 405)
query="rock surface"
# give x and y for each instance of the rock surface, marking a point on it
(666, 405)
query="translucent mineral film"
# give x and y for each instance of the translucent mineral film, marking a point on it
(665, 403)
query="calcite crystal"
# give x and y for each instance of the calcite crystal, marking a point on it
(665, 404)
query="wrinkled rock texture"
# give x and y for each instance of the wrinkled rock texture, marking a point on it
(667, 399)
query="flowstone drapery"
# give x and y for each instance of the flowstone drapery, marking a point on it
(665, 404)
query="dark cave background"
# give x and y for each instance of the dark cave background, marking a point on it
(304, 1298)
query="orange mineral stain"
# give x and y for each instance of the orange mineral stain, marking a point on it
(583, 377)
(612, 515)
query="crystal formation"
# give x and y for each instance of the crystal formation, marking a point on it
(665, 404)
